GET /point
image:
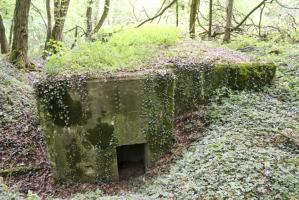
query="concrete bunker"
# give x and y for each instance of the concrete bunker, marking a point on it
(96, 129)
(102, 129)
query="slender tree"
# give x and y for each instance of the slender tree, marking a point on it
(3, 39)
(228, 26)
(20, 34)
(49, 20)
(260, 20)
(11, 32)
(96, 12)
(177, 13)
(89, 19)
(210, 17)
(60, 11)
(193, 16)
(103, 17)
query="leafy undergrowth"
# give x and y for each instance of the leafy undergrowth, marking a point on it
(22, 150)
(250, 150)
(124, 50)
(244, 154)
(12, 84)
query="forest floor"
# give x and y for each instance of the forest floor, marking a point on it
(250, 150)
(23, 154)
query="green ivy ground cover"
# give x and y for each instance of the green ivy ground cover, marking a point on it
(243, 154)
(240, 156)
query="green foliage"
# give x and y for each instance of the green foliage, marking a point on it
(6, 192)
(125, 50)
(147, 35)
(242, 155)
(236, 158)
(6, 8)
(14, 194)
(32, 196)
(287, 55)
(12, 84)
(263, 47)
(54, 47)
(89, 195)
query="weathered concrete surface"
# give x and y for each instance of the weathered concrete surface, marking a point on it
(85, 123)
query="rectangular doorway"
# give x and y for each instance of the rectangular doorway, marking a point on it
(130, 161)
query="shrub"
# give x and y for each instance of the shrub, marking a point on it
(54, 47)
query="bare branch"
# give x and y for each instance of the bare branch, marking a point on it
(36, 9)
(103, 17)
(287, 7)
(158, 14)
(245, 18)
(249, 14)
(133, 10)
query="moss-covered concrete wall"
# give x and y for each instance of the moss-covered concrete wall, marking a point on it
(252, 76)
(196, 83)
(85, 120)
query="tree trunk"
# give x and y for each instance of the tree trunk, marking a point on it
(3, 39)
(57, 5)
(89, 20)
(20, 34)
(177, 13)
(228, 26)
(11, 32)
(97, 11)
(103, 17)
(60, 12)
(49, 19)
(260, 21)
(210, 18)
(193, 15)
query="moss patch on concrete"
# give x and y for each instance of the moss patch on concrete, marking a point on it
(246, 75)
(189, 90)
(158, 114)
(196, 82)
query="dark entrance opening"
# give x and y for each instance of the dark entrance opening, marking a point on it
(130, 160)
